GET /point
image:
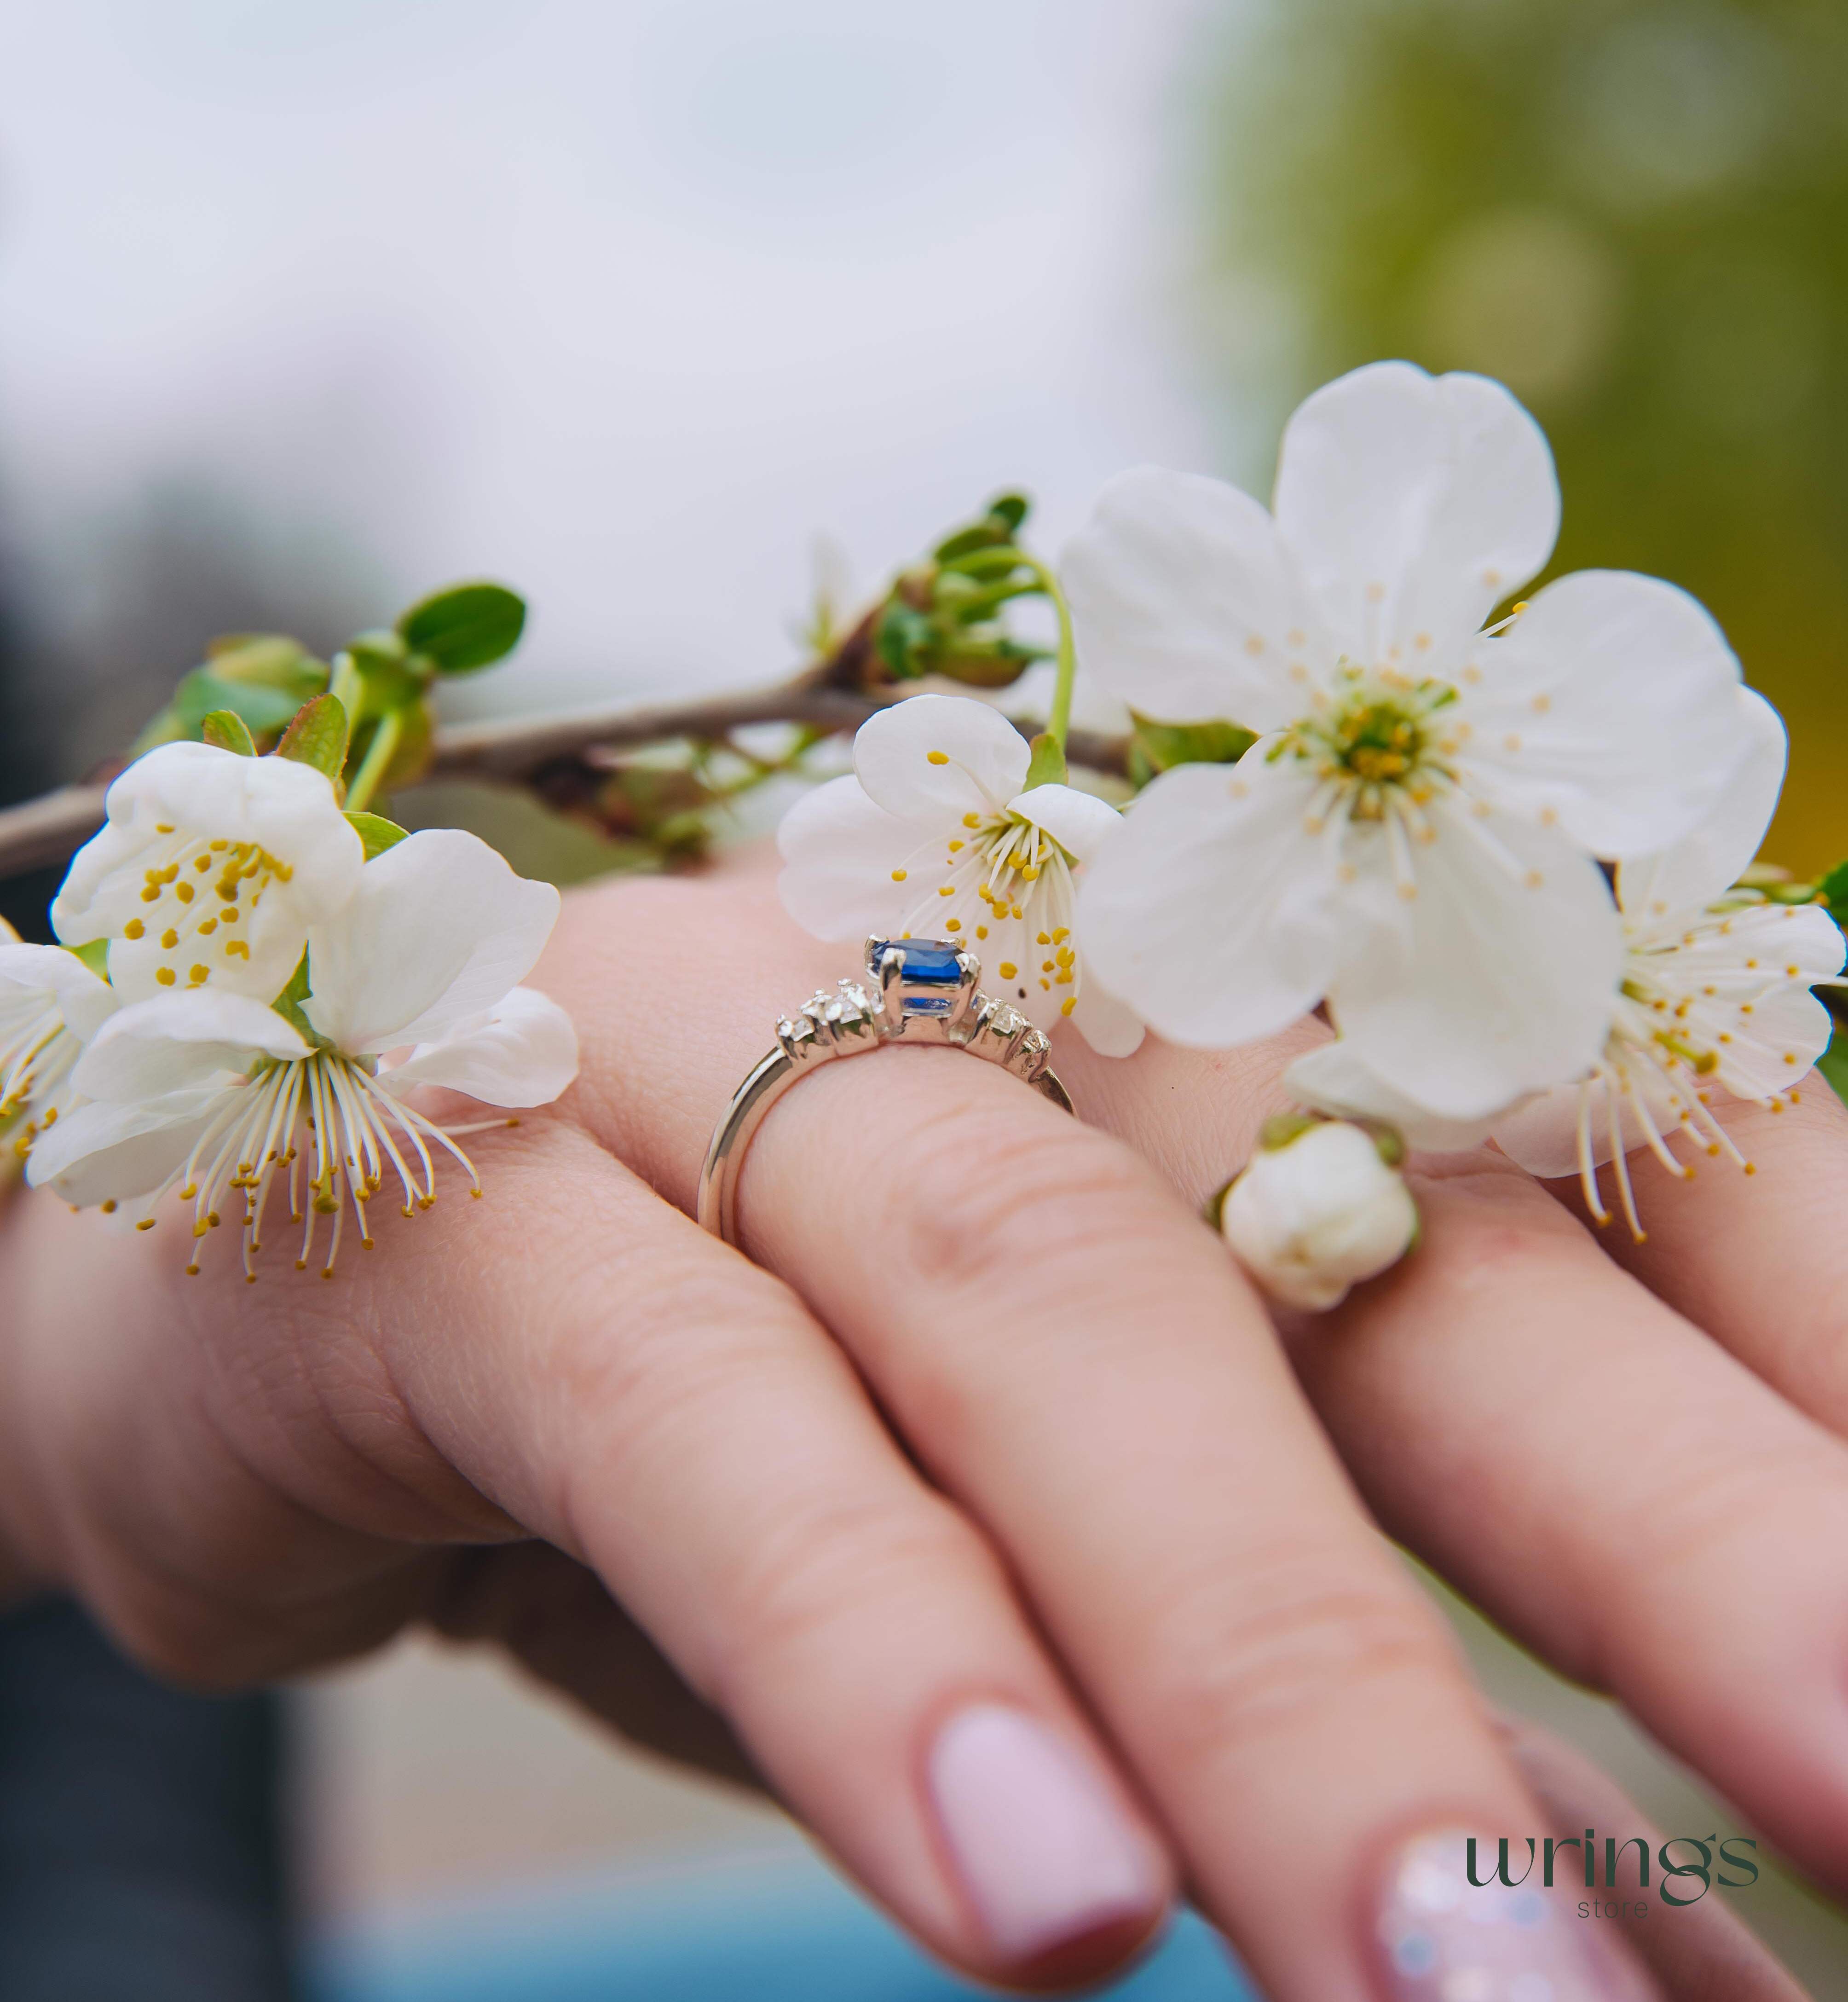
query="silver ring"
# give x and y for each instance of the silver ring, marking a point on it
(921, 993)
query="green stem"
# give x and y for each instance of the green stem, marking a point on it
(373, 766)
(343, 685)
(1058, 723)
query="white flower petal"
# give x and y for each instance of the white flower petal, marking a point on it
(524, 1051)
(85, 1002)
(165, 810)
(1185, 604)
(1079, 821)
(1706, 863)
(438, 929)
(1209, 914)
(1413, 504)
(1542, 1136)
(937, 757)
(1333, 1079)
(1504, 983)
(1111, 1028)
(840, 850)
(181, 1042)
(106, 1153)
(1612, 702)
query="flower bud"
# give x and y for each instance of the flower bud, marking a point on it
(1317, 1213)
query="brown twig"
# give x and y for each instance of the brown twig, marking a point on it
(549, 755)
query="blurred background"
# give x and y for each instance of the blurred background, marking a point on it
(654, 309)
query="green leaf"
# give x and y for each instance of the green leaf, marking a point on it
(229, 731)
(1832, 892)
(317, 736)
(391, 677)
(1158, 747)
(1046, 765)
(468, 626)
(288, 1004)
(271, 659)
(261, 708)
(377, 832)
(95, 956)
(1833, 1063)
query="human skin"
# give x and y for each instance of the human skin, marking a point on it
(981, 1467)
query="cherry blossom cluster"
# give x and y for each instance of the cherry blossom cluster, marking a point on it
(1501, 855)
(252, 985)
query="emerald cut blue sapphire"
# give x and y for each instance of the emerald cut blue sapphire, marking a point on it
(922, 963)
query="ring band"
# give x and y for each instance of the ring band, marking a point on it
(921, 993)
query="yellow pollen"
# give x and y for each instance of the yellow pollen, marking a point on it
(162, 827)
(938, 757)
(953, 924)
(1044, 938)
(108, 1205)
(898, 875)
(956, 847)
(169, 939)
(207, 926)
(1008, 969)
(982, 931)
(165, 975)
(1790, 1056)
(218, 847)
(183, 892)
(1534, 879)
(151, 894)
(133, 929)
(236, 949)
(1542, 703)
(971, 820)
(948, 890)
(1060, 934)
(146, 1223)
(1045, 966)
(198, 975)
(1254, 645)
(201, 861)
(1069, 1003)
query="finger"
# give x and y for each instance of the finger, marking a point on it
(1760, 1260)
(1625, 1496)
(1075, 1359)
(556, 1618)
(580, 1361)
(1707, 1952)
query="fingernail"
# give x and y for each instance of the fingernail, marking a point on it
(1444, 1939)
(1043, 1851)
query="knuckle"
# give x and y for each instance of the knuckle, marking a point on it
(1294, 1638)
(825, 1559)
(1062, 1195)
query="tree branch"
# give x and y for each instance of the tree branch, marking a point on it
(547, 754)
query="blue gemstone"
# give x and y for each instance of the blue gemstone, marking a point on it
(923, 963)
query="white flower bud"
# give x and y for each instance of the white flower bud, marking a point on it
(1315, 1216)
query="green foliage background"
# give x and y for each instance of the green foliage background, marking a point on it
(1633, 212)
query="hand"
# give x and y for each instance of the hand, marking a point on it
(243, 1480)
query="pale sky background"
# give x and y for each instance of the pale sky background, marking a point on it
(624, 304)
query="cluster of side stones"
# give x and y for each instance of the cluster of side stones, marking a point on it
(827, 1023)
(1023, 1048)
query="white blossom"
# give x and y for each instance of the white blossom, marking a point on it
(933, 836)
(51, 1005)
(1412, 837)
(1312, 1217)
(218, 1095)
(1714, 998)
(209, 872)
